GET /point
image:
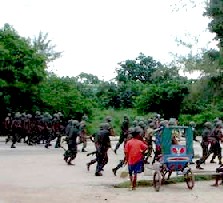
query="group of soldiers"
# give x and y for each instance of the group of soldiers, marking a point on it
(38, 128)
(43, 128)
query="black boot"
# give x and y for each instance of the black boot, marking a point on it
(114, 170)
(198, 165)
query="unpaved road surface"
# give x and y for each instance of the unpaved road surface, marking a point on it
(33, 174)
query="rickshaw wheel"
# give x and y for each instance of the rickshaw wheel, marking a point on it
(157, 180)
(189, 179)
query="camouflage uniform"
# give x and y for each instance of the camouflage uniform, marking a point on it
(123, 133)
(73, 133)
(102, 143)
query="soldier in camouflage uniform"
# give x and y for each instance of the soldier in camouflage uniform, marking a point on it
(83, 135)
(16, 128)
(47, 128)
(8, 127)
(102, 143)
(73, 133)
(214, 138)
(123, 161)
(123, 133)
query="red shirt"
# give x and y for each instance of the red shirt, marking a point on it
(134, 149)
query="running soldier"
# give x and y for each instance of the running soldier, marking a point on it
(215, 148)
(102, 144)
(123, 133)
(73, 133)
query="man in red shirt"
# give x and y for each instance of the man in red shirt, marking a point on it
(134, 155)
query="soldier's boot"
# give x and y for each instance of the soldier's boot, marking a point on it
(83, 149)
(69, 162)
(114, 170)
(90, 163)
(212, 161)
(198, 165)
(65, 158)
(13, 146)
(6, 140)
(98, 174)
(116, 147)
(120, 165)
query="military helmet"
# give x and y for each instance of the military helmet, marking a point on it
(208, 125)
(164, 123)
(38, 113)
(172, 122)
(137, 129)
(135, 123)
(192, 124)
(46, 114)
(59, 114)
(29, 115)
(126, 117)
(17, 115)
(158, 116)
(106, 126)
(219, 124)
(150, 120)
(141, 124)
(75, 123)
(216, 120)
(108, 118)
(84, 117)
(83, 123)
(151, 125)
(131, 130)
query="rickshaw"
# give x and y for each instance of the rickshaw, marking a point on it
(170, 156)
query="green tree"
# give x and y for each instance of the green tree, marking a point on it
(62, 94)
(139, 69)
(22, 68)
(165, 98)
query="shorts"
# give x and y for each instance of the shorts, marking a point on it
(135, 168)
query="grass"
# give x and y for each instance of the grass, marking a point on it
(173, 180)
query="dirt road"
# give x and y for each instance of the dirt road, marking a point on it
(33, 174)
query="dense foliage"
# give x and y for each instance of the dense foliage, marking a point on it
(142, 85)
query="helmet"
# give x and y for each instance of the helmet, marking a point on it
(137, 129)
(164, 123)
(126, 117)
(17, 115)
(82, 123)
(75, 123)
(158, 116)
(85, 118)
(135, 123)
(208, 125)
(101, 126)
(192, 124)
(106, 126)
(131, 130)
(59, 114)
(151, 125)
(38, 113)
(141, 124)
(172, 122)
(29, 116)
(219, 124)
(108, 119)
(216, 120)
